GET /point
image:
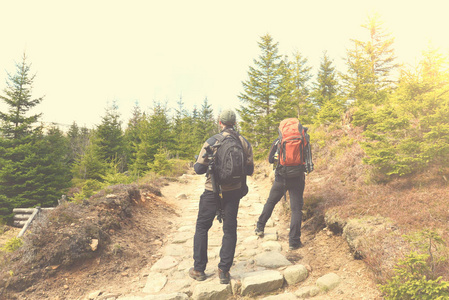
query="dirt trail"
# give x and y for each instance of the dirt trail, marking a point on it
(169, 259)
(323, 252)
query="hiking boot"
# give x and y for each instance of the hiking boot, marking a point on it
(225, 277)
(295, 246)
(259, 232)
(197, 275)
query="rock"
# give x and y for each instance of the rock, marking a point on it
(189, 228)
(174, 250)
(271, 260)
(173, 296)
(307, 292)
(94, 245)
(155, 283)
(334, 223)
(212, 291)
(271, 246)
(130, 298)
(270, 236)
(283, 296)
(94, 295)
(181, 196)
(357, 231)
(181, 238)
(178, 285)
(165, 263)
(295, 274)
(251, 240)
(328, 282)
(256, 283)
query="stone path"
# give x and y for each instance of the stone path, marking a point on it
(261, 269)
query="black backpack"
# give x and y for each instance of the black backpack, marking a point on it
(229, 159)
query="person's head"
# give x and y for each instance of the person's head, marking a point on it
(227, 118)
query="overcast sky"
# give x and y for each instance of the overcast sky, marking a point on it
(87, 54)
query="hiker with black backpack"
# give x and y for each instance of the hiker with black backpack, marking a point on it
(292, 156)
(226, 159)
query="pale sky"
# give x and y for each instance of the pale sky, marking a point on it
(87, 54)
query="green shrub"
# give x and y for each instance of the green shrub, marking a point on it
(12, 245)
(415, 276)
(411, 280)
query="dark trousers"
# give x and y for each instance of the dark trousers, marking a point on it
(206, 214)
(295, 188)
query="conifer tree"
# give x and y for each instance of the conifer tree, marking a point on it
(110, 139)
(155, 132)
(294, 100)
(30, 162)
(261, 92)
(371, 64)
(184, 132)
(411, 131)
(205, 125)
(325, 93)
(131, 136)
(78, 140)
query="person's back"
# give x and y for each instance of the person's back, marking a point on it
(231, 193)
(288, 152)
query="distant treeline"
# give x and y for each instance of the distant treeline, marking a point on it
(403, 112)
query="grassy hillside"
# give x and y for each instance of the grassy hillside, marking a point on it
(342, 190)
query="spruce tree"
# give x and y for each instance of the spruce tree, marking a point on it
(110, 138)
(184, 132)
(261, 92)
(78, 140)
(131, 136)
(294, 100)
(411, 131)
(325, 93)
(31, 164)
(371, 64)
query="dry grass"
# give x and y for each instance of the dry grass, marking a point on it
(341, 182)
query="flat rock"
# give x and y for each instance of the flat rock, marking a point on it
(270, 236)
(271, 246)
(155, 283)
(256, 283)
(295, 274)
(165, 263)
(212, 291)
(174, 250)
(328, 282)
(307, 291)
(271, 260)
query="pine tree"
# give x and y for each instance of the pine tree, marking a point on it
(78, 140)
(325, 93)
(110, 138)
(155, 132)
(261, 92)
(184, 132)
(205, 125)
(294, 100)
(131, 137)
(371, 64)
(31, 164)
(411, 131)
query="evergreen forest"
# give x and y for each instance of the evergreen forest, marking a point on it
(402, 111)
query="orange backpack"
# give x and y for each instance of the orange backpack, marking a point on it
(294, 149)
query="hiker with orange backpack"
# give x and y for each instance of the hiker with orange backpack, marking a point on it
(292, 153)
